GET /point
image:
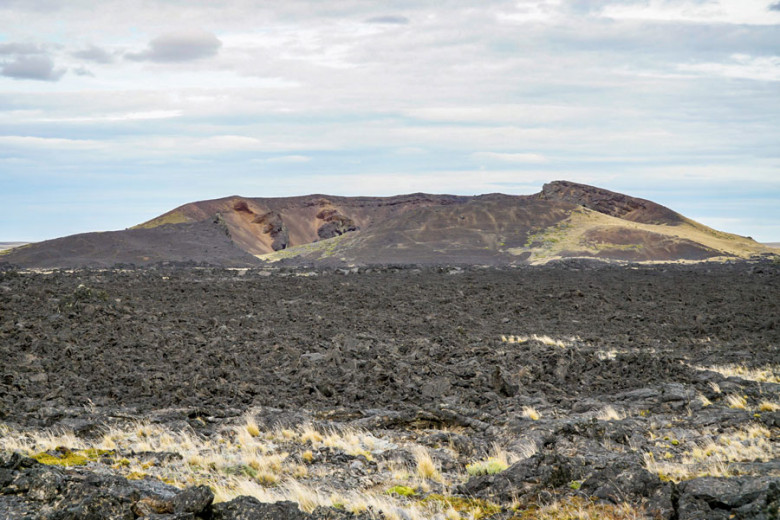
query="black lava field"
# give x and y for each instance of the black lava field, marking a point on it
(614, 375)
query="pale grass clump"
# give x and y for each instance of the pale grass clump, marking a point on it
(309, 498)
(352, 441)
(309, 434)
(544, 340)
(50, 440)
(610, 414)
(576, 508)
(10, 443)
(451, 514)
(514, 339)
(768, 406)
(246, 440)
(525, 450)
(531, 413)
(736, 401)
(712, 458)
(39, 441)
(426, 466)
(497, 461)
(704, 401)
(607, 355)
(251, 426)
(763, 374)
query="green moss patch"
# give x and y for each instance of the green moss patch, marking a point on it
(67, 459)
(403, 491)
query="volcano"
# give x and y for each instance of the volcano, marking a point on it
(564, 220)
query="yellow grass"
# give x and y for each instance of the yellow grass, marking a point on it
(498, 460)
(544, 340)
(531, 413)
(610, 414)
(736, 401)
(577, 508)
(762, 374)
(426, 466)
(712, 458)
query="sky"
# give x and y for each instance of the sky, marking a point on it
(114, 112)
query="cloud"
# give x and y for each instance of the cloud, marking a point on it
(389, 20)
(289, 159)
(742, 67)
(95, 54)
(32, 67)
(775, 7)
(517, 158)
(179, 46)
(749, 12)
(50, 143)
(21, 48)
(129, 116)
(83, 71)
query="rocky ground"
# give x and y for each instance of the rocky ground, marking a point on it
(567, 391)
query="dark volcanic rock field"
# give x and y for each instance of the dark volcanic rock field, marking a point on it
(614, 376)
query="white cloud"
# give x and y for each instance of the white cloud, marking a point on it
(290, 159)
(32, 67)
(518, 158)
(50, 143)
(128, 116)
(504, 113)
(179, 46)
(755, 12)
(758, 68)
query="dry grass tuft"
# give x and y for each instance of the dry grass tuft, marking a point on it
(426, 466)
(497, 461)
(251, 426)
(712, 458)
(736, 401)
(610, 414)
(531, 413)
(544, 340)
(763, 374)
(768, 406)
(577, 508)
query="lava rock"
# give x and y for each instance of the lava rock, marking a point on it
(716, 498)
(193, 500)
(249, 508)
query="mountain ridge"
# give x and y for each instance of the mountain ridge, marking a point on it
(564, 220)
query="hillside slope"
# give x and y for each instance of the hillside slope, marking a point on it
(564, 220)
(200, 242)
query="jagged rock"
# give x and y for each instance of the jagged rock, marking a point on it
(713, 498)
(249, 508)
(627, 480)
(335, 224)
(96, 506)
(274, 225)
(193, 500)
(526, 478)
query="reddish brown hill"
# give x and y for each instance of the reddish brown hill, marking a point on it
(564, 220)
(264, 225)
